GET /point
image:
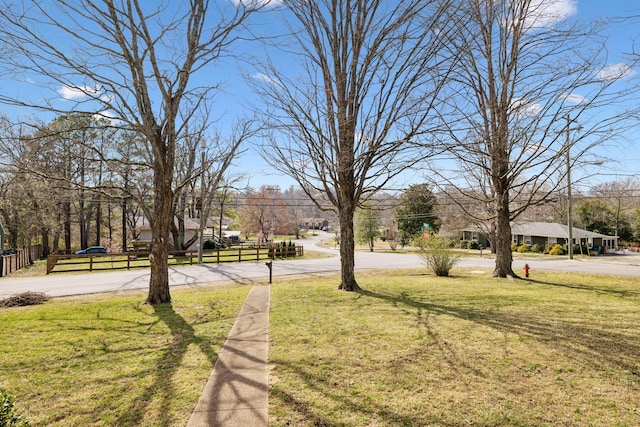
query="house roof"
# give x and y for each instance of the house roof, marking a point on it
(189, 223)
(550, 229)
(553, 229)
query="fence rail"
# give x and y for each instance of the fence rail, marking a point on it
(20, 259)
(128, 260)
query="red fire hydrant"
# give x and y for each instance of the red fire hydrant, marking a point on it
(526, 270)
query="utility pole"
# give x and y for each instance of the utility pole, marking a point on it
(569, 197)
(203, 221)
(273, 189)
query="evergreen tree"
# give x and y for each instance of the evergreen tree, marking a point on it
(415, 209)
(368, 226)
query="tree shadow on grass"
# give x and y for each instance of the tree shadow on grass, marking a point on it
(596, 343)
(622, 293)
(599, 344)
(313, 416)
(183, 335)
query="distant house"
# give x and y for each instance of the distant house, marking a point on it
(477, 235)
(546, 233)
(191, 227)
(314, 223)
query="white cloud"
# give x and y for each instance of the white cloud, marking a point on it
(106, 115)
(267, 79)
(574, 98)
(106, 98)
(254, 3)
(546, 13)
(73, 93)
(615, 72)
(524, 107)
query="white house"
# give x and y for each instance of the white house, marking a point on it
(191, 228)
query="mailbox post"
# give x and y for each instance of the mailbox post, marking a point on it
(270, 265)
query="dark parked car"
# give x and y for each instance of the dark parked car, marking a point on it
(93, 250)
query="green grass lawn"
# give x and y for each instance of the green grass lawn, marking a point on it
(110, 361)
(417, 350)
(411, 349)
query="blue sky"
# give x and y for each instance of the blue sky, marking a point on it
(235, 94)
(624, 153)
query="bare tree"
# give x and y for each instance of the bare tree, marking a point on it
(622, 196)
(130, 61)
(265, 212)
(523, 108)
(217, 163)
(207, 171)
(352, 119)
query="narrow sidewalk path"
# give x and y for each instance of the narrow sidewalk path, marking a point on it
(236, 393)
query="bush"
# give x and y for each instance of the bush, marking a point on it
(524, 248)
(8, 418)
(514, 247)
(391, 236)
(209, 244)
(437, 253)
(556, 250)
(473, 244)
(537, 248)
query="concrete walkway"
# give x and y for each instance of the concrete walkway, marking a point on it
(236, 393)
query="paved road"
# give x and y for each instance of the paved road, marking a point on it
(78, 284)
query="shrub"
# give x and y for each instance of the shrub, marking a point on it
(391, 237)
(8, 416)
(537, 248)
(514, 247)
(437, 253)
(209, 244)
(524, 248)
(473, 244)
(556, 250)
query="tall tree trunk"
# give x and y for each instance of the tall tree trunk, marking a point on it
(66, 212)
(81, 220)
(13, 236)
(55, 246)
(347, 250)
(98, 220)
(44, 233)
(163, 218)
(124, 225)
(502, 238)
(82, 215)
